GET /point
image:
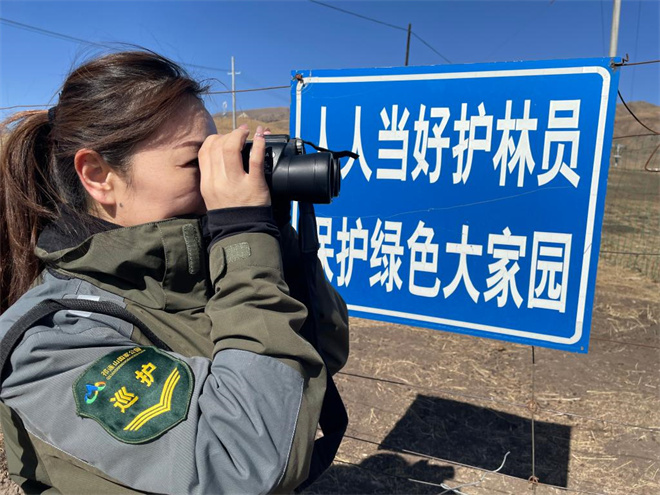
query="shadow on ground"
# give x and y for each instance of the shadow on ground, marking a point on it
(480, 437)
(382, 473)
(456, 432)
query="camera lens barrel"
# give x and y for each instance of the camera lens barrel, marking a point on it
(311, 178)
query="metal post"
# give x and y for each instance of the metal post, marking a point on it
(614, 39)
(233, 94)
(408, 44)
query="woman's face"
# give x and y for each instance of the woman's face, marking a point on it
(164, 175)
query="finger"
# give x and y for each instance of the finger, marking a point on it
(267, 131)
(257, 154)
(231, 152)
(206, 151)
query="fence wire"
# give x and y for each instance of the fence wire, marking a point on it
(631, 225)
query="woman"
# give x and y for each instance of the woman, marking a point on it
(152, 344)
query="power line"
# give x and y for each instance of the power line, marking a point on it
(359, 15)
(523, 25)
(52, 34)
(632, 79)
(73, 39)
(377, 21)
(626, 64)
(436, 51)
(250, 90)
(247, 90)
(602, 25)
(635, 116)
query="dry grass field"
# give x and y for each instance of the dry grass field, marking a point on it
(442, 408)
(428, 407)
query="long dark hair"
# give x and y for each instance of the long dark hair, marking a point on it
(109, 105)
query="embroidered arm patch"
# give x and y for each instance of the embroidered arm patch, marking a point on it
(136, 395)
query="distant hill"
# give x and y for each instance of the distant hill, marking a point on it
(276, 118)
(626, 125)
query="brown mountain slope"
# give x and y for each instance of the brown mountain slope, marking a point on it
(276, 119)
(626, 125)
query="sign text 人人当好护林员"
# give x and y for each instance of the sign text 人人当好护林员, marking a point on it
(477, 201)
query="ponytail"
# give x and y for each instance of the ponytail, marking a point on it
(27, 199)
(110, 105)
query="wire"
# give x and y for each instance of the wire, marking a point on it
(639, 15)
(436, 51)
(371, 19)
(533, 405)
(52, 34)
(635, 116)
(421, 455)
(208, 92)
(73, 39)
(602, 25)
(625, 64)
(632, 135)
(395, 476)
(646, 165)
(497, 401)
(456, 463)
(473, 483)
(248, 90)
(523, 25)
(600, 339)
(359, 15)
(631, 252)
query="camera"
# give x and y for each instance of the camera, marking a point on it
(291, 174)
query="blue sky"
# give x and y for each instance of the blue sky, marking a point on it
(270, 38)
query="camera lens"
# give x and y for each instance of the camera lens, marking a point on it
(293, 175)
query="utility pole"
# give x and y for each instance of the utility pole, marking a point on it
(614, 39)
(408, 43)
(233, 93)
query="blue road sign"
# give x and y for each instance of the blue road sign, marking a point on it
(477, 202)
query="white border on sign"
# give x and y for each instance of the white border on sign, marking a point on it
(593, 195)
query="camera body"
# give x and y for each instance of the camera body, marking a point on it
(293, 175)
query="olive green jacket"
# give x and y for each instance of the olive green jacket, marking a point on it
(90, 406)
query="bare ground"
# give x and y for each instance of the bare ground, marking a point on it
(441, 408)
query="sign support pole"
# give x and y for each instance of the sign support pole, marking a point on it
(614, 38)
(408, 44)
(233, 93)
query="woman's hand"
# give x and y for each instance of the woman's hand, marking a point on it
(224, 182)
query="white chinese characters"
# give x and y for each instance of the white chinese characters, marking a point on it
(503, 134)
(548, 282)
(386, 253)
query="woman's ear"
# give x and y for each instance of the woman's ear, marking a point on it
(97, 177)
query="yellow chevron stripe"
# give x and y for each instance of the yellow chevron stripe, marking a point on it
(163, 405)
(160, 408)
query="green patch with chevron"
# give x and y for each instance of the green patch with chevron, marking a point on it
(136, 395)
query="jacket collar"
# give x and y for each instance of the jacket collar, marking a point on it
(159, 265)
